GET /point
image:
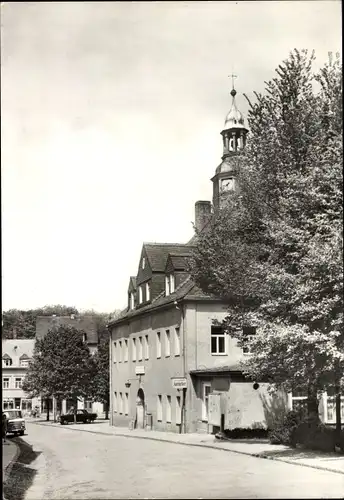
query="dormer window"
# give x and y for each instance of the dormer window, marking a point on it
(169, 284)
(140, 295)
(143, 262)
(6, 360)
(147, 292)
(132, 300)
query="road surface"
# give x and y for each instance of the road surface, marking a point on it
(72, 464)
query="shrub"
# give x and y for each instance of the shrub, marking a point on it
(284, 430)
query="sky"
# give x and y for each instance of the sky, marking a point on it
(110, 129)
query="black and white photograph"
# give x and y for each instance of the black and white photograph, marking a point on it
(172, 250)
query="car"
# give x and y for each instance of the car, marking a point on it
(15, 422)
(81, 416)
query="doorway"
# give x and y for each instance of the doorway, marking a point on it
(140, 409)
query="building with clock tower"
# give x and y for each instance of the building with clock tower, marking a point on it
(234, 141)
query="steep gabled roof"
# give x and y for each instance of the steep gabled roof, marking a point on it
(157, 253)
(6, 356)
(186, 290)
(24, 356)
(179, 262)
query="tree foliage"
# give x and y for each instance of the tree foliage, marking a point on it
(62, 365)
(274, 252)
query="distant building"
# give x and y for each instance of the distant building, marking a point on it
(16, 357)
(87, 324)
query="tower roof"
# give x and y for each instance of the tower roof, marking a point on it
(234, 118)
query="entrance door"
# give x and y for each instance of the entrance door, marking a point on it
(140, 409)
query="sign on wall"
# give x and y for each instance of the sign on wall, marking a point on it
(139, 370)
(179, 382)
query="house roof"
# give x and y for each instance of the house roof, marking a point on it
(179, 262)
(6, 356)
(24, 356)
(186, 290)
(235, 367)
(157, 253)
(133, 281)
(17, 347)
(86, 323)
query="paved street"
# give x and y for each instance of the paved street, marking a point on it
(75, 465)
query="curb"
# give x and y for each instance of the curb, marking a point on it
(247, 453)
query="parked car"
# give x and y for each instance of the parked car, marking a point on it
(15, 422)
(81, 416)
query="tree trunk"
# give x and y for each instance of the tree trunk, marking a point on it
(338, 412)
(48, 409)
(106, 410)
(312, 403)
(75, 408)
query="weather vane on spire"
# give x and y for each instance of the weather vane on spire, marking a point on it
(233, 91)
(232, 76)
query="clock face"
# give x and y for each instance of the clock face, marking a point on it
(227, 184)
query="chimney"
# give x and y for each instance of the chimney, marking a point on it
(202, 214)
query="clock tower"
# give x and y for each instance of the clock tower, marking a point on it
(234, 141)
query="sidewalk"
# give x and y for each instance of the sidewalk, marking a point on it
(258, 448)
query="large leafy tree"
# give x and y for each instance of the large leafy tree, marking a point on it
(100, 387)
(62, 366)
(274, 252)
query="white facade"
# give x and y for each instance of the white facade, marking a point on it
(16, 356)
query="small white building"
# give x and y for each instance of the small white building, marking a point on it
(16, 356)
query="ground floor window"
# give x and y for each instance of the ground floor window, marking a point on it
(206, 390)
(178, 410)
(159, 408)
(126, 403)
(26, 404)
(8, 404)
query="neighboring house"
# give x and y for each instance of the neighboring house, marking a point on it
(88, 325)
(172, 366)
(16, 356)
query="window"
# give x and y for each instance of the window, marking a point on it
(114, 352)
(218, 345)
(158, 345)
(139, 357)
(146, 347)
(24, 363)
(120, 351)
(26, 404)
(126, 404)
(167, 344)
(140, 295)
(7, 362)
(172, 283)
(134, 349)
(206, 389)
(178, 410)
(18, 383)
(248, 333)
(169, 284)
(115, 406)
(143, 262)
(132, 301)
(159, 408)
(168, 409)
(147, 291)
(126, 354)
(120, 403)
(177, 342)
(5, 383)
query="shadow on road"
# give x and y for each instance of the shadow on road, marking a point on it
(21, 476)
